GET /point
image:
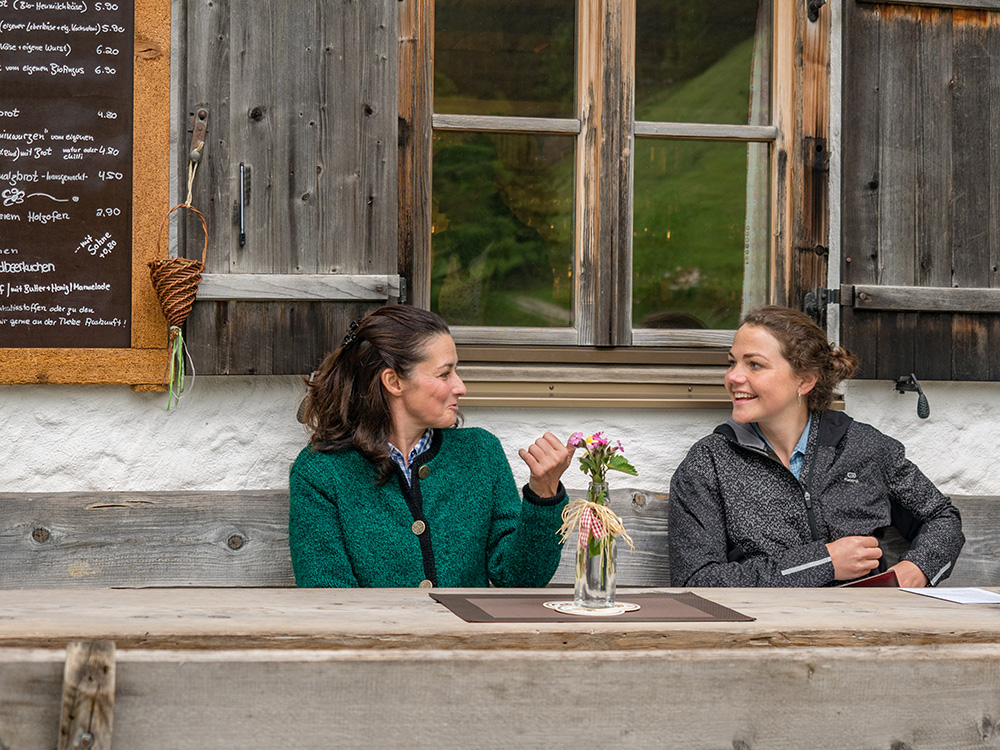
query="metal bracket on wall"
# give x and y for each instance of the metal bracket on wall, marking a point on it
(816, 301)
(199, 132)
(909, 383)
(813, 7)
(242, 202)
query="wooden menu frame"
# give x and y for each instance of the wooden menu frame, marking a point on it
(144, 364)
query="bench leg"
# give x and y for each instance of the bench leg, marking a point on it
(88, 703)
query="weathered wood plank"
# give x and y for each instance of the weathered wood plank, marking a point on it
(496, 124)
(233, 619)
(416, 32)
(204, 56)
(241, 539)
(927, 298)
(88, 701)
(861, 178)
(568, 337)
(145, 539)
(935, 50)
(644, 515)
(307, 100)
(787, 701)
(897, 204)
(297, 287)
(753, 133)
(793, 698)
(969, 4)
(897, 210)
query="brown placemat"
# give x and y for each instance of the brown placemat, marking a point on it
(529, 607)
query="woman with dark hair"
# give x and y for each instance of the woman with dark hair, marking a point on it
(388, 494)
(789, 493)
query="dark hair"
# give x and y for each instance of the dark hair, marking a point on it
(346, 405)
(807, 349)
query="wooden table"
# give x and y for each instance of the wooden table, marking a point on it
(277, 668)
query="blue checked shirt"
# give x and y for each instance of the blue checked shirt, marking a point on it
(404, 464)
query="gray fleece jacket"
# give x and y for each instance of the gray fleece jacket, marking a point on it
(739, 517)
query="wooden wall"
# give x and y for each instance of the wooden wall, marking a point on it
(921, 191)
(303, 95)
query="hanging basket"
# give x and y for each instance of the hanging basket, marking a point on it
(175, 280)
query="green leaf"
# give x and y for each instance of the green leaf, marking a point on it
(620, 463)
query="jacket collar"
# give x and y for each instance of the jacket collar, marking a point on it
(833, 425)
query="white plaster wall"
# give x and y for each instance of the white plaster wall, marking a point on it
(241, 433)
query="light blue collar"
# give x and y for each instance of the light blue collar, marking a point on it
(798, 453)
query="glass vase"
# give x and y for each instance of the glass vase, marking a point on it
(595, 562)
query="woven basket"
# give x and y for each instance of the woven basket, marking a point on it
(175, 280)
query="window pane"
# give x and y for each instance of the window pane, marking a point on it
(694, 61)
(502, 229)
(690, 231)
(504, 57)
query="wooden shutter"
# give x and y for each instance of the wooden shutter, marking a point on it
(303, 96)
(921, 191)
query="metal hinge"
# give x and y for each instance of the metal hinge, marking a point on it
(816, 301)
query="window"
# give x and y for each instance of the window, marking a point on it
(601, 172)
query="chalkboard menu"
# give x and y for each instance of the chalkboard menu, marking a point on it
(66, 101)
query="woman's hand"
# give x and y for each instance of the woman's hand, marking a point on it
(547, 458)
(854, 556)
(909, 575)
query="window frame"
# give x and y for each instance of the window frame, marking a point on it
(602, 237)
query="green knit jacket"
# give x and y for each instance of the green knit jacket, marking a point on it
(460, 524)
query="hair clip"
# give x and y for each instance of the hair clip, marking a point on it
(352, 335)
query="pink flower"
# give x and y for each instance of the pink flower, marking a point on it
(599, 439)
(576, 439)
(620, 446)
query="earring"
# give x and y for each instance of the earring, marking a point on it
(800, 399)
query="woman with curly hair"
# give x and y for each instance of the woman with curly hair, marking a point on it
(790, 493)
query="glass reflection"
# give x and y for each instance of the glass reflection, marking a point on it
(504, 57)
(690, 236)
(695, 61)
(502, 229)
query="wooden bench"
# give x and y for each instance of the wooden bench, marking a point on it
(240, 539)
(60, 657)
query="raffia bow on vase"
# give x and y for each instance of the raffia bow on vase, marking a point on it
(596, 524)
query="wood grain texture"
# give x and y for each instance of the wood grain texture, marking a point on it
(232, 619)
(416, 31)
(300, 287)
(967, 4)
(88, 704)
(925, 298)
(304, 96)
(146, 539)
(860, 178)
(469, 700)
(240, 539)
(752, 133)
(945, 696)
(495, 124)
(929, 124)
